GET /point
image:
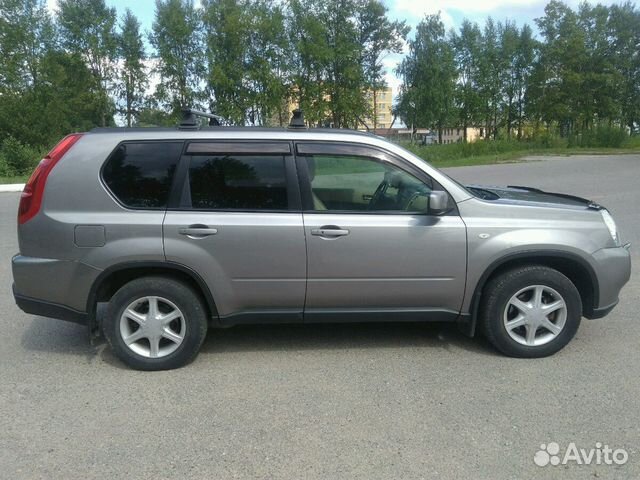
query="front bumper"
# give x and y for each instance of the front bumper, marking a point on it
(613, 270)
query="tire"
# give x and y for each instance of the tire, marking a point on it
(164, 326)
(507, 320)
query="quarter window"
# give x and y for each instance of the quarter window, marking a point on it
(362, 184)
(238, 182)
(140, 174)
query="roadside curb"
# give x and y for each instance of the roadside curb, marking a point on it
(12, 187)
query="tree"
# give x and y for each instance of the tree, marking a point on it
(491, 65)
(308, 37)
(624, 29)
(133, 75)
(226, 23)
(344, 74)
(176, 36)
(525, 57)
(467, 53)
(26, 35)
(563, 56)
(65, 100)
(428, 71)
(87, 29)
(509, 74)
(378, 37)
(45, 92)
(268, 64)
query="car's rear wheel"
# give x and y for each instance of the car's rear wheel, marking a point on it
(155, 323)
(530, 311)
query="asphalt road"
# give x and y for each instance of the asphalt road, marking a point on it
(330, 402)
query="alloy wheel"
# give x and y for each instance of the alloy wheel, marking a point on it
(535, 315)
(152, 327)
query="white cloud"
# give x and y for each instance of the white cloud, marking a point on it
(414, 10)
(418, 9)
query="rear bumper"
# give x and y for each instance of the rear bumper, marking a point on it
(48, 309)
(50, 281)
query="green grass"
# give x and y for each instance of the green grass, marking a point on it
(508, 151)
(18, 179)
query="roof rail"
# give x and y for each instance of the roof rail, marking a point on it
(190, 119)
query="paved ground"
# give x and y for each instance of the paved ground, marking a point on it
(316, 402)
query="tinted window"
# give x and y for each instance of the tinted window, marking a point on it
(245, 182)
(350, 183)
(140, 174)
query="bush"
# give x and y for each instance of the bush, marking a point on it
(17, 158)
(600, 137)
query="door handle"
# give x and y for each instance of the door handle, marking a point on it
(197, 231)
(329, 231)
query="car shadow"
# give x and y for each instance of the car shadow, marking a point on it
(58, 337)
(338, 336)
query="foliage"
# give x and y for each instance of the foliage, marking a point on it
(584, 73)
(600, 136)
(429, 74)
(131, 51)
(87, 29)
(176, 36)
(17, 158)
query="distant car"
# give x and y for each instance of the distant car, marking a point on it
(185, 228)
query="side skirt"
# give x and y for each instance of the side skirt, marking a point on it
(322, 315)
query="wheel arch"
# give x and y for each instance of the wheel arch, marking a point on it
(574, 267)
(115, 276)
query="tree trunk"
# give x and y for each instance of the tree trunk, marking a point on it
(375, 109)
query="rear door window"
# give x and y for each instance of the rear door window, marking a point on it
(238, 182)
(140, 174)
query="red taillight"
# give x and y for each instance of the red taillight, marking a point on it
(31, 198)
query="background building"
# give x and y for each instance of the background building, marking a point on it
(455, 135)
(382, 106)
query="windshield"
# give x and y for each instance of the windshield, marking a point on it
(464, 187)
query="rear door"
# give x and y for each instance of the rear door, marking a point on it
(372, 246)
(235, 218)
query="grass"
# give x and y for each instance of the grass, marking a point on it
(506, 151)
(18, 179)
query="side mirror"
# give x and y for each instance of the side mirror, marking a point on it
(438, 202)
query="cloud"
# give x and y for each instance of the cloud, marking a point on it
(453, 11)
(417, 9)
(414, 10)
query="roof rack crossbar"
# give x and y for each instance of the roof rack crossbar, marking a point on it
(190, 120)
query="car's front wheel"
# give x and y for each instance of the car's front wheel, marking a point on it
(155, 323)
(530, 311)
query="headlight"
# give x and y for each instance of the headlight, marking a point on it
(611, 225)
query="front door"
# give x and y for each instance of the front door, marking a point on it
(235, 221)
(372, 246)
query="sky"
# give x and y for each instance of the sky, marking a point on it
(453, 12)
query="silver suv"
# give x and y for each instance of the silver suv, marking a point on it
(178, 230)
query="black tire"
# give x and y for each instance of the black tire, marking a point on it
(499, 291)
(182, 296)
